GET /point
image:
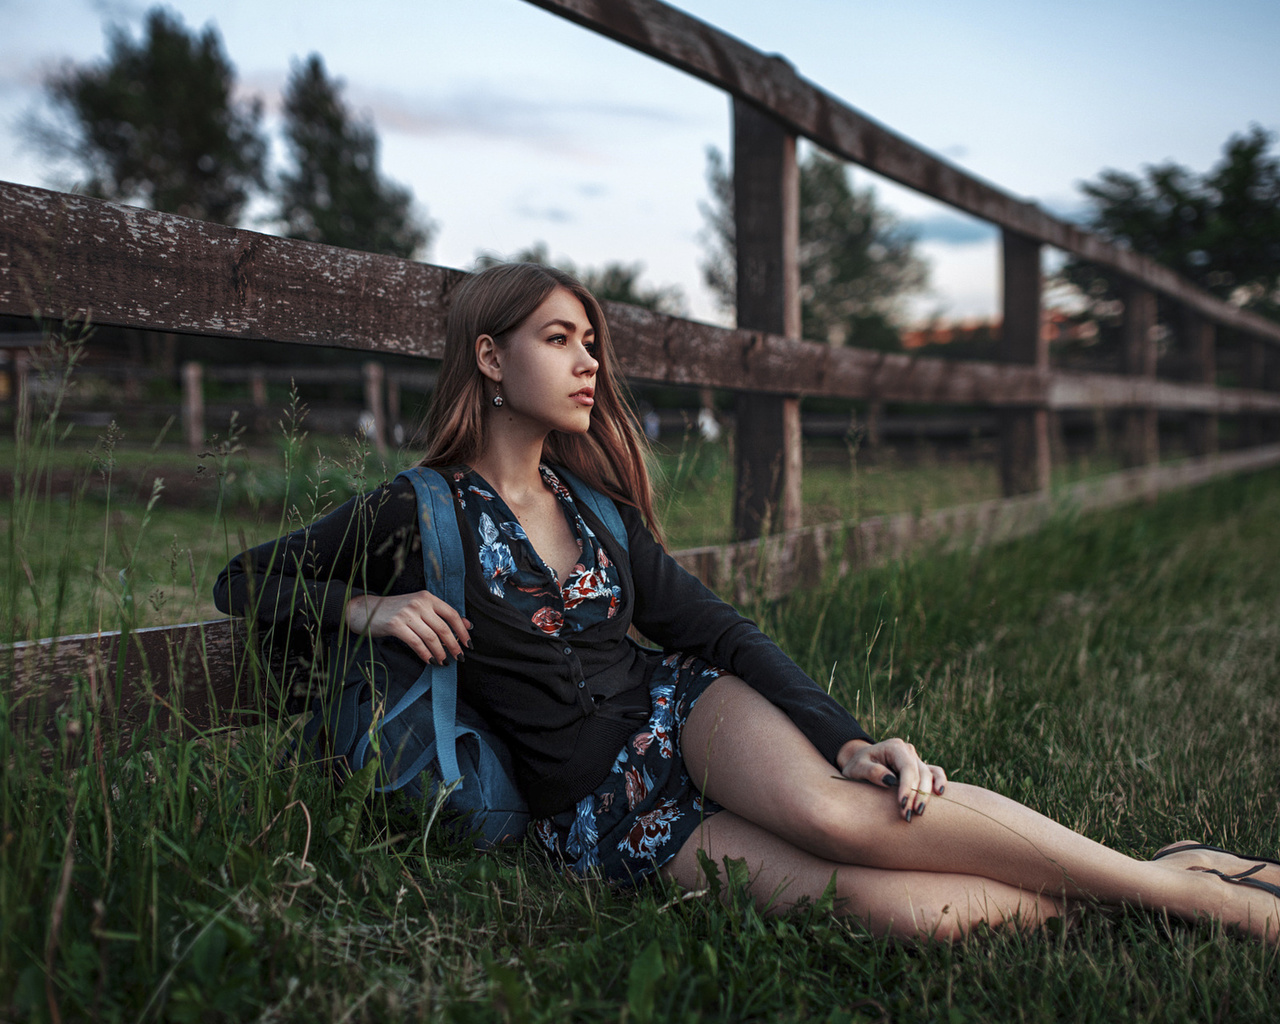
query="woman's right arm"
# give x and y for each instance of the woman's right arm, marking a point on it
(306, 578)
(360, 565)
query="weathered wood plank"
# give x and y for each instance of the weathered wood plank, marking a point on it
(766, 190)
(188, 678)
(684, 42)
(81, 273)
(67, 256)
(781, 563)
(1069, 390)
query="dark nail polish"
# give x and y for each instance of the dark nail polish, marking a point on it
(890, 780)
(461, 656)
(941, 790)
(908, 817)
(919, 809)
(903, 803)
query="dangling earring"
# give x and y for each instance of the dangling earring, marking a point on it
(497, 398)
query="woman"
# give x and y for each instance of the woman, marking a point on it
(633, 760)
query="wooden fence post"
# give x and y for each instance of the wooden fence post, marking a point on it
(1024, 433)
(394, 431)
(1254, 376)
(21, 395)
(1141, 444)
(258, 393)
(766, 188)
(193, 404)
(373, 377)
(1202, 433)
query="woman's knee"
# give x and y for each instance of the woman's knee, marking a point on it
(845, 822)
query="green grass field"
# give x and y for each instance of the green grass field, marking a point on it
(1119, 672)
(83, 515)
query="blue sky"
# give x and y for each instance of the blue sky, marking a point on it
(513, 126)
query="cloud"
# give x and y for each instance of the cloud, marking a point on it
(479, 112)
(552, 214)
(951, 229)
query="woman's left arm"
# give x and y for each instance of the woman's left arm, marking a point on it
(673, 608)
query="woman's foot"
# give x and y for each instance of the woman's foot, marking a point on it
(1238, 890)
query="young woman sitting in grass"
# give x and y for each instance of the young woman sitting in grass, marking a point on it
(634, 761)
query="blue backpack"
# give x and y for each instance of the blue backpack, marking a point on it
(421, 735)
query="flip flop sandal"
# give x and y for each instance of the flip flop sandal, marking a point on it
(1180, 847)
(1243, 879)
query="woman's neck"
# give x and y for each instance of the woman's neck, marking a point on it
(512, 467)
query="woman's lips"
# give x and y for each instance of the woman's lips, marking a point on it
(584, 397)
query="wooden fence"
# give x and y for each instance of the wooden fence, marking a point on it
(66, 256)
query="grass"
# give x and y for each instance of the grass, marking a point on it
(1119, 672)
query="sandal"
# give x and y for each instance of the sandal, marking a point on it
(1183, 846)
(1241, 877)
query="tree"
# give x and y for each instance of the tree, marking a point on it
(334, 192)
(154, 124)
(614, 282)
(857, 262)
(1221, 229)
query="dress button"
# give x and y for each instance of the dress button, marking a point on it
(581, 684)
(568, 650)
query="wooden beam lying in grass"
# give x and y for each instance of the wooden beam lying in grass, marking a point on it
(776, 565)
(188, 679)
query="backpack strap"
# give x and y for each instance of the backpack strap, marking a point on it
(444, 569)
(601, 504)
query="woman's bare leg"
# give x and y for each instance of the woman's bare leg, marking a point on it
(903, 904)
(748, 756)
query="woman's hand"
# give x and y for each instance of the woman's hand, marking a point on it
(893, 764)
(431, 626)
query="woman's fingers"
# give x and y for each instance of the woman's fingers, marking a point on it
(430, 626)
(895, 764)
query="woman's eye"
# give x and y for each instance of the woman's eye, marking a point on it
(591, 348)
(557, 339)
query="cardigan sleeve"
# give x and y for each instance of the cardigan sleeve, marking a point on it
(303, 580)
(674, 608)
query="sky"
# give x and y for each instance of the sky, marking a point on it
(513, 126)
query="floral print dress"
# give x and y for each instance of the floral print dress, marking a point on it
(646, 808)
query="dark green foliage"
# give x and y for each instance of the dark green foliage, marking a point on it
(857, 262)
(1220, 229)
(334, 192)
(154, 124)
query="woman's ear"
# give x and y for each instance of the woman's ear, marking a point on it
(488, 358)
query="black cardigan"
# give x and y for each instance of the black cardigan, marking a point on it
(566, 705)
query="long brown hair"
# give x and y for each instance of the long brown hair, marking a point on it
(610, 456)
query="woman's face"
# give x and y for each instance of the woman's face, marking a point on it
(547, 369)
